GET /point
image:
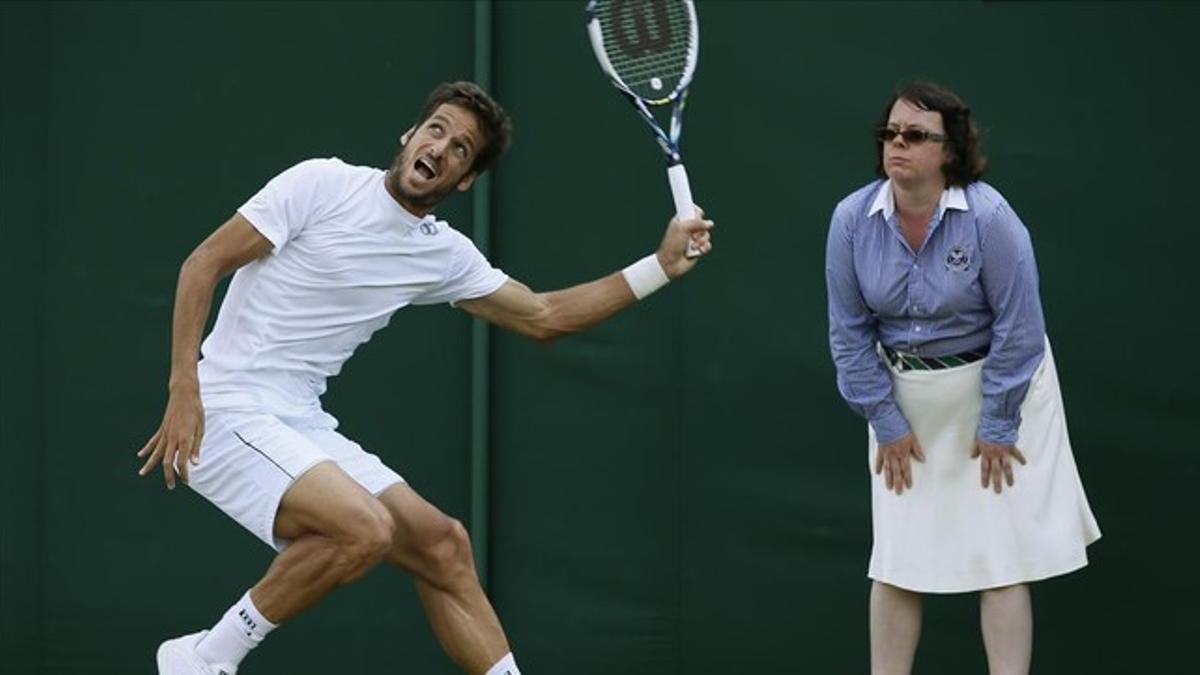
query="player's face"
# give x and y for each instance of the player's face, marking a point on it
(436, 158)
(914, 163)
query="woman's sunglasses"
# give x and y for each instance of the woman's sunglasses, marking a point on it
(911, 135)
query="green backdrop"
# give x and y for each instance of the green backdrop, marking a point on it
(679, 490)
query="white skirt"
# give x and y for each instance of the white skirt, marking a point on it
(949, 535)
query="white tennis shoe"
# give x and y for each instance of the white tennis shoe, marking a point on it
(179, 657)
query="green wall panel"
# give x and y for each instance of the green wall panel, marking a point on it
(692, 462)
(163, 119)
(23, 220)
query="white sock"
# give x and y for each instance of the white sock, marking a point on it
(240, 629)
(505, 666)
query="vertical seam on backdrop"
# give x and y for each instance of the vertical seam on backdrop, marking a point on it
(45, 21)
(480, 454)
(680, 367)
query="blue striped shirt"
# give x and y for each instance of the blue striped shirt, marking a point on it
(972, 284)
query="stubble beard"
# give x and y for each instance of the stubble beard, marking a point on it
(422, 201)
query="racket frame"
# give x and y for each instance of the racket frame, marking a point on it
(668, 140)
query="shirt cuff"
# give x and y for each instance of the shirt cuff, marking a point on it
(890, 425)
(999, 431)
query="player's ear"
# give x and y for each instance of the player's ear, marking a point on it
(467, 180)
(407, 135)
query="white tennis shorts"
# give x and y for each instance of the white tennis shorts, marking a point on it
(248, 460)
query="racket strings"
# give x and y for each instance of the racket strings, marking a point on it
(632, 44)
(671, 58)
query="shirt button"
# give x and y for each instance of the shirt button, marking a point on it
(918, 329)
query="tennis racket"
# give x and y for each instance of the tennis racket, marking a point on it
(648, 49)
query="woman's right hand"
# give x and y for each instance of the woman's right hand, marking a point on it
(894, 461)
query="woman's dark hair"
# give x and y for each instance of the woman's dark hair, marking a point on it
(493, 121)
(967, 161)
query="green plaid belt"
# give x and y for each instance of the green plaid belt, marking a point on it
(903, 362)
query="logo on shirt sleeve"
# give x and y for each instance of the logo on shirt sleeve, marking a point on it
(958, 260)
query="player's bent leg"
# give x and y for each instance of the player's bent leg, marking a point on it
(280, 485)
(435, 548)
(338, 532)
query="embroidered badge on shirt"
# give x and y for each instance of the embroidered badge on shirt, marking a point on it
(957, 260)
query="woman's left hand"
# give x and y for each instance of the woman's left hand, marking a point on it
(995, 463)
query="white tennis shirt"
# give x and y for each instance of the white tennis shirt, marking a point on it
(346, 256)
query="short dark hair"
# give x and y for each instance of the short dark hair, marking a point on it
(493, 121)
(967, 161)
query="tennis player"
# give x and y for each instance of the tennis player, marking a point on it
(322, 256)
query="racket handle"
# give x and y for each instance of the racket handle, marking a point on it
(681, 192)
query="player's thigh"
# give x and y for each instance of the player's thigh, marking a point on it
(425, 540)
(328, 502)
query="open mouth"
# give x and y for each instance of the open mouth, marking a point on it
(424, 169)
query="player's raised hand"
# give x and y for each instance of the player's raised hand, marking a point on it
(673, 251)
(176, 444)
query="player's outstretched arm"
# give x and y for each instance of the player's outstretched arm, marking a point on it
(553, 314)
(177, 441)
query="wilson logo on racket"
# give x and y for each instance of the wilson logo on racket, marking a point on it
(623, 10)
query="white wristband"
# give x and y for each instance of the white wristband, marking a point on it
(645, 276)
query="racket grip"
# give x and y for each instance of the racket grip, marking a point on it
(681, 192)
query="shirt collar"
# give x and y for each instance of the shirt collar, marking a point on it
(953, 197)
(884, 201)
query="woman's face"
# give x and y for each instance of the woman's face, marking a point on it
(912, 164)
